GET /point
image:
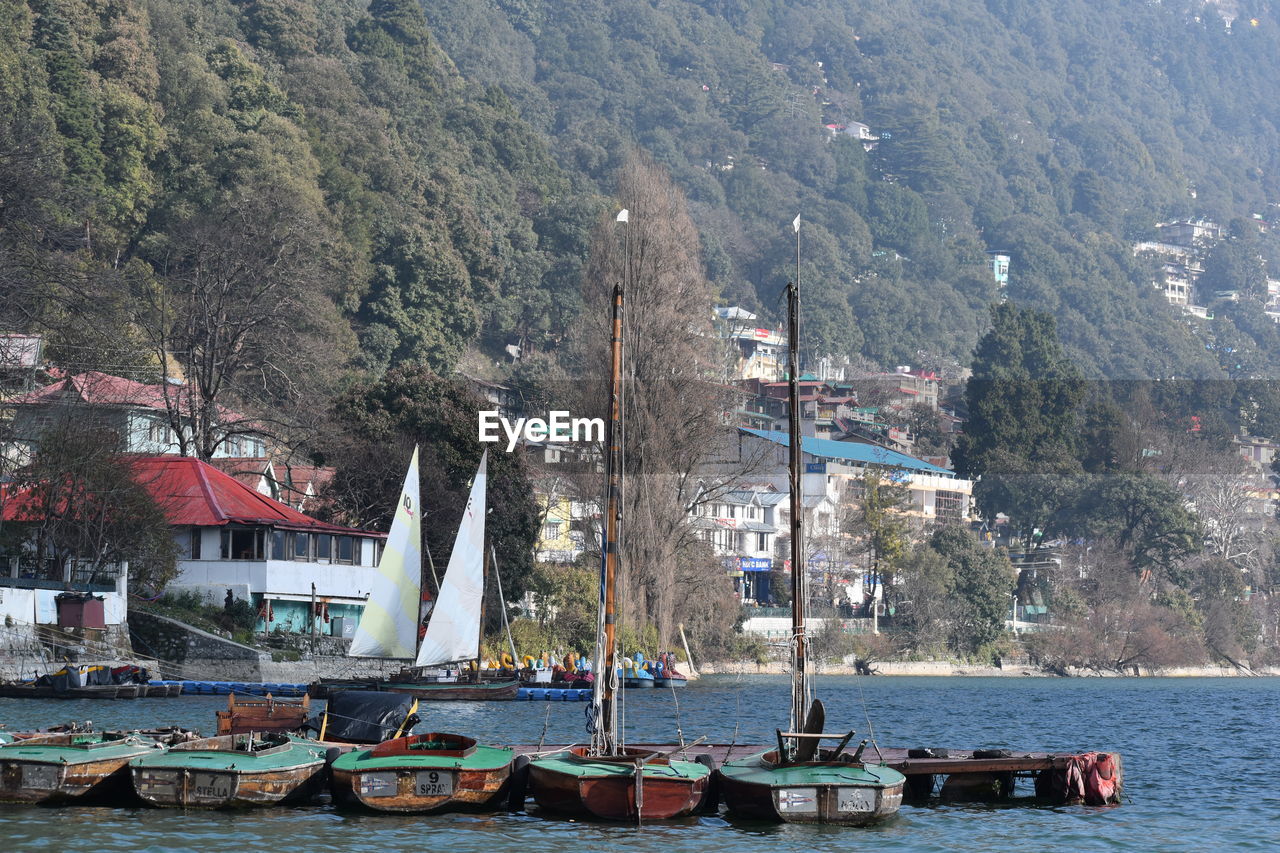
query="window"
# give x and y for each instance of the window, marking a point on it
(242, 543)
(733, 510)
(278, 548)
(324, 547)
(551, 530)
(762, 541)
(346, 549)
(302, 546)
(195, 543)
(157, 432)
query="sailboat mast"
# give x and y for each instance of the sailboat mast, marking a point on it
(799, 663)
(606, 733)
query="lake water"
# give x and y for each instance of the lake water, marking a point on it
(1200, 755)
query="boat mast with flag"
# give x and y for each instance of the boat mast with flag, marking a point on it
(800, 781)
(607, 779)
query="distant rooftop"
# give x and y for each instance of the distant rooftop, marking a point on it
(852, 453)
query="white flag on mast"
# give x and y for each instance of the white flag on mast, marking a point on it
(624, 215)
(795, 223)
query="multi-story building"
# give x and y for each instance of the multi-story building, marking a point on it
(141, 416)
(759, 352)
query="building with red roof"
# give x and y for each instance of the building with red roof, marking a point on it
(234, 539)
(140, 414)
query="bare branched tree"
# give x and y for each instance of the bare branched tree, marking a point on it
(244, 309)
(674, 409)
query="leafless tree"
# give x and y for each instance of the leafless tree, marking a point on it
(243, 308)
(82, 507)
(674, 409)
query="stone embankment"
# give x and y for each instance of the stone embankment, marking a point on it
(948, 668)
(187, 653)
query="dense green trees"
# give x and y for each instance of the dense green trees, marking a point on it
(377, 426)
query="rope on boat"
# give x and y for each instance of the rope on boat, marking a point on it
(871, 732)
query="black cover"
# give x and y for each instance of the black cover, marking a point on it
(364, 716)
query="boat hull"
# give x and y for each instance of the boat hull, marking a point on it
(209, 774)
(470, 790)
(670, 682)
(227, 789)
(48, 769)
(424, 774)
(104, 781)
(579, 789)
(456, 691)
(831, 792)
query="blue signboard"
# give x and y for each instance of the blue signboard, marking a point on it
(815, 467)
(755, 564)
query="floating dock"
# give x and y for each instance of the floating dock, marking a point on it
(249, 688)
(962, 775)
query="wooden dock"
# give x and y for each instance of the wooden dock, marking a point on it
(962, 775)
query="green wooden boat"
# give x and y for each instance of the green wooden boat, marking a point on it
(79, 766)
(424, 773)
(233, 771)
(629, 784)
(834, 787)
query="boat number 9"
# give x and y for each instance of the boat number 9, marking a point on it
(434, 783)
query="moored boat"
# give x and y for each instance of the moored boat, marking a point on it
(232, 771)
(833, 788)
(632, 784)
(445, 691)
(246, 714)
(424, 773)
(70, 767)
(800, 782)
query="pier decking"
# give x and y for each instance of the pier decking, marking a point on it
(1059, 777)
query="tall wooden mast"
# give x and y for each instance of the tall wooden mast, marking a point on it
(605, 737)
(799, 643)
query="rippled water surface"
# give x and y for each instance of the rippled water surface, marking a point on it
(1200, 757)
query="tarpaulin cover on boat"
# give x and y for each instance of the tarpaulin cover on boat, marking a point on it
(365, 716)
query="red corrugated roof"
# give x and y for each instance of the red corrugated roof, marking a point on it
(198, 494)
(103, 389)
(100, 388)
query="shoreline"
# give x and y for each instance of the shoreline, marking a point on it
(1008, 670)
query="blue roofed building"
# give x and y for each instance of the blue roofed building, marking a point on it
(938, 496)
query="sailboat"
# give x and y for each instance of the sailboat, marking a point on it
(607, 779)
(801, 781)
(389, 626)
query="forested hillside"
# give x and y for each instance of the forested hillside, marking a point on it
(421, 185)
(324, 167)
(1059, 132)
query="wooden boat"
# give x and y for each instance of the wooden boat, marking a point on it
(129, 691)
(606, 779)
(232, 771)
(71, 767)
(799, 782)
(262, 714)
(834, 787)
(445, 691)
(632, 784)
(32, 690)
(390, 629)
(424, 773)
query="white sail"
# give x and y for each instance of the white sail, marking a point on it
(453, 634)
(389, 625)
